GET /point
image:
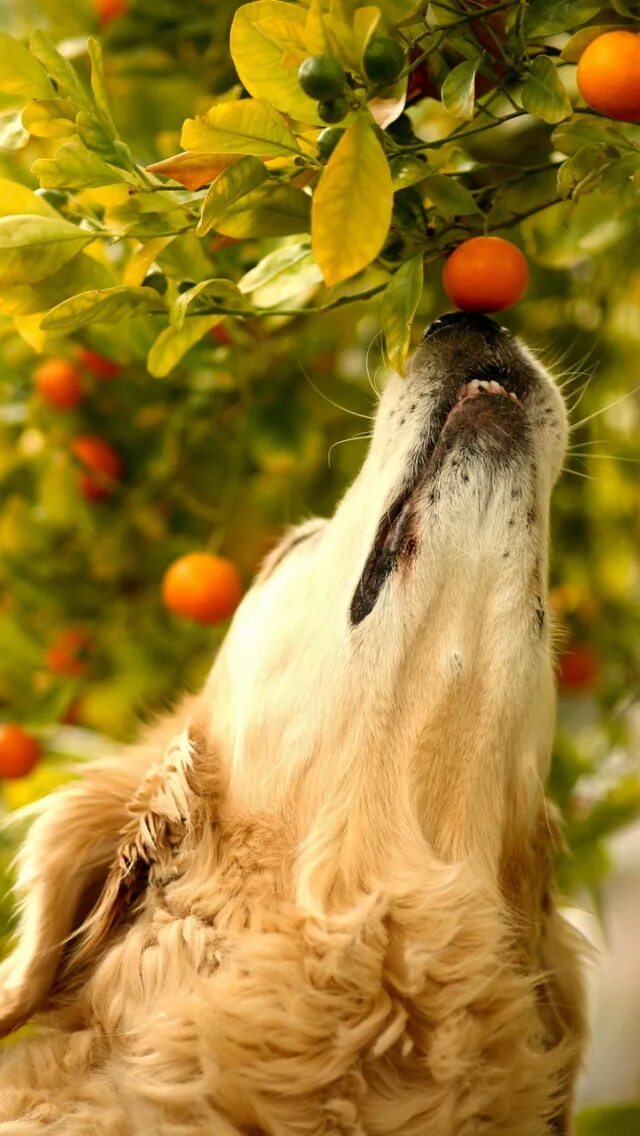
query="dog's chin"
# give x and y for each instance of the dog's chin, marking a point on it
(484, 427)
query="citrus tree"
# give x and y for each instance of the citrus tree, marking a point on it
(220, 225)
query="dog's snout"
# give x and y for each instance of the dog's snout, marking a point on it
(466, 321)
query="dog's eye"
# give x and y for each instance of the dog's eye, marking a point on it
(279, 553)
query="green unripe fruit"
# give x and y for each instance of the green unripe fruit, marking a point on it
(383, 60)
(322, 77)
(328, 140)
(334, 110)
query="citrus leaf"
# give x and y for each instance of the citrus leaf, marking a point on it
(98, 85)
(75, 167)
(408, 169)
(449, 197)
(575, 46)
(399, 305)
(221, 292)
(59, 68)
(246, 126)
(272, 265)
(543, 94)
(267, 47)
(365, 22)
(352, 205)
(316, 40)
(173, 343)
(101, 305)
(15, 198)
(229, 186)
(572, 136)
(80, 274)
(20, 74)
(386, 108)
(193, 170)
(269, 211)
(32, 247)
(458, 89)
(547, 17)
(281, 274)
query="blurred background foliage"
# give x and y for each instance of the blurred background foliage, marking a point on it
(264, 421)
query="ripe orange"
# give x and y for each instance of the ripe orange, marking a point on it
(221, 335)
(67, 654)
(108, 10)
(102, 463)
(609, 75)
(98, 365)
(19, 751)
(578, 669)
(485, 274)
(202, 587)
(58, 383)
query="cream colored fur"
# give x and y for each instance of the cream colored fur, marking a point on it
(319, 898)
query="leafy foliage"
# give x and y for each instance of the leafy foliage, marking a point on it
(165, 203)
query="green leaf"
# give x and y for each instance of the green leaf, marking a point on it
(98, 85)
(580, 173)
(352, 205)
(543, 94)
(575, 46)
(269, 211)
(267, 47)
(13, 135)
(547, 17)
(458, 89)
(20, 74)
(221, 292)
(399, 305)
(75, 167)
(246, 126)
(229, 186)
(173, 343)
(450, 198)
(408, 169)
(585, 131)
(609, 1120)
(281, 274)
(82, 273)
(59, 68)
(32, 247)
(101, 305)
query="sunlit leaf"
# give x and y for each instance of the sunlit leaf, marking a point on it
(267, 46)
(32, 247)
(458, 89)
(79, 275)
(49, 118)
(210, 293)
(450, 198)
(577, 43)
(543, 94)
(387, 107)
(399, 305)
(269, 211)
(281, 274)
(75, 167)
(247, 126)
(21, 75)
(352, 205)
(316, 40)
(59, 68)
(13, 135)
(229, 187)
(101, 305)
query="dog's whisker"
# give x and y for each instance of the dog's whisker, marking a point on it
(367, 435)
(332, 402)
(604, 409)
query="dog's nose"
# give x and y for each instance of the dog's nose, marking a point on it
(466, 321)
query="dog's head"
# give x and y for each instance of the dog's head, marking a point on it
(413, 622)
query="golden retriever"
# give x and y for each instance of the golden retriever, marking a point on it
(319, 898)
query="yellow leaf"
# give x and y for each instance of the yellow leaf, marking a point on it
(315, 33)
(193, 170)
(245, 126)
(15, 198)
(365, 22)
(268, 42)
(30, 330)
(106, 195)
(142, 260)
(352, 205)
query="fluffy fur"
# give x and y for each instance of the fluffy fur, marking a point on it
(319, 898)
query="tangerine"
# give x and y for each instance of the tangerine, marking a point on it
(609, 75)
(485, 274)
(202, 587)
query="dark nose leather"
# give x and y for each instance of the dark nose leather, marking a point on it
(465, 321)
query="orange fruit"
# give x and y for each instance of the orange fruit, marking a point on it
(67, 654)
(485, 274)
(58, 383)
(19, 751)
(103, 465)
(578, 669)
(202, 587)
(108, 10)
(221, 335)
(609, 75)
(97, 365)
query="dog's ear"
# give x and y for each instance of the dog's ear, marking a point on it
(173, 802)
(77, 867)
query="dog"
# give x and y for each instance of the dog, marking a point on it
(319, 899)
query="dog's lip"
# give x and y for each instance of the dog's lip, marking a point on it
(393, 538)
